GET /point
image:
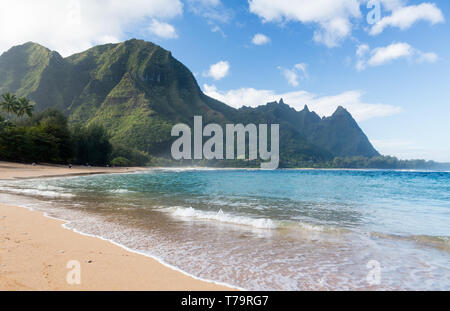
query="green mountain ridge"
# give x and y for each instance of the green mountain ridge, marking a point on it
(138, 91)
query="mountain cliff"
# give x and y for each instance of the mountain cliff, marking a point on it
(338, 134)
(138, 91)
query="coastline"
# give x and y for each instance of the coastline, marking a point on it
(9, 170)
(35, 250)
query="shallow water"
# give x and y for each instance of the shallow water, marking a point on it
(267, 230)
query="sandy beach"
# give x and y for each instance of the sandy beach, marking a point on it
(35, 250)
(19, 171)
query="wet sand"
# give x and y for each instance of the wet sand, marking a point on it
(37, 253)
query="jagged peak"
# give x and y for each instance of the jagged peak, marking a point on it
(306, 108)
(272, 103)
(281, 102)
(341, 111)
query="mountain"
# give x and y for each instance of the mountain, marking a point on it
(138, 91)
(338, 134)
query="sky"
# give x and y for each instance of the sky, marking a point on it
(386, 61)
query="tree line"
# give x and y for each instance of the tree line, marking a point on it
(46, 137)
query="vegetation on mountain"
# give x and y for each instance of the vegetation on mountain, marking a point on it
(42, 137)
(47, 137)
(120, 101)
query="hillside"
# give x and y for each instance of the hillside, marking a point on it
(138, 91)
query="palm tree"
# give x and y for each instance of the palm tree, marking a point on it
(10, 103)
(24, 107)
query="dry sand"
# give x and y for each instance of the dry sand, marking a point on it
(17, 171)
(35, 250)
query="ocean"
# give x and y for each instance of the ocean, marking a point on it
(266, 230)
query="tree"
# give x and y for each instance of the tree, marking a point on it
(43, 138)
(24, 106)
(120, 161)
(4, 124)
(54, 123)
(9, 103)
(18, 106)
(92, 145)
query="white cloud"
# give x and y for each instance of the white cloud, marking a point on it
(427, 57)
(76, 25)
(292, 75)
(332, 17)
(391, 5)
(362, 50)
(213, 10)
(383, 55)
(405, 17)
(391, 52)
(333, 32)
(218, 71)
(219, 30)
(260, 39)
(162, 30)
(322, 105)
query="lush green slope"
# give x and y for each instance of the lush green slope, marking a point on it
(338, 134)
(36, 72)
(138, 91)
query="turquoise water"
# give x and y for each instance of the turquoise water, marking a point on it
(268, 230)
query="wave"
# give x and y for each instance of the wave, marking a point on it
(220, 216)
(305, 227)
(182, 169)
(439, 242)
(120, 191)
(258, 223)
(37, 192)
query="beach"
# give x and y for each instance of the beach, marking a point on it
(35, 250)
(10, 170)
(177, 228)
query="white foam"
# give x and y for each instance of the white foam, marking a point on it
(37, 192)
(69, 225)
(310, 227)
(220, 216)
(120, 191)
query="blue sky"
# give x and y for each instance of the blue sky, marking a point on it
(392, 75)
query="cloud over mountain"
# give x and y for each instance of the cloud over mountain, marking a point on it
(75, 25)
(322, 105)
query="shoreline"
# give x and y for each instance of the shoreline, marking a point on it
(18, 171)
(36, 250)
